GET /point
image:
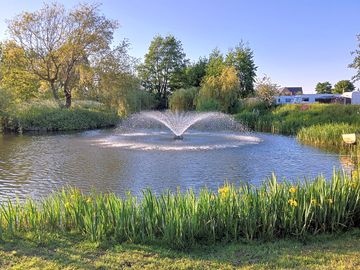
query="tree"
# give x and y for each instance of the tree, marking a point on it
(242, 58)
(216, 63)
(195, 73)
(56, 42)
(343, 86)
(356, 62)
(161, 71)
(266, 90)
(15, 76)
(323, 88)
(112, 81)
(223, 89)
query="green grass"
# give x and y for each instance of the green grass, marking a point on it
(271, 211)
(71, 251)
(48, 116)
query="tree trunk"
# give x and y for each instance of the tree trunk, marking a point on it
(68, 99)
(54, 91)
(67, 93)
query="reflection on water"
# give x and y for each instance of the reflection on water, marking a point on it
(36, 165)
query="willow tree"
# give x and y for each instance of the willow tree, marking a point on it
(56, 42)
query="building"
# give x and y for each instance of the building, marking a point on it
(291, 91)
(307, 98)
(351, 97)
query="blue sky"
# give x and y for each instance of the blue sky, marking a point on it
(295, 42)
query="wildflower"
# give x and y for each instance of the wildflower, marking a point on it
(292, 190)
(224, 191)
(313, 202)
(89, 200)
(355, 174)
(330, 201)
(353, 184)
(67, 205)
(292, 202)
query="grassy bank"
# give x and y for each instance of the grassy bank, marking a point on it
(315, 124)
(271, 211)
(70, 251)
(48, 116)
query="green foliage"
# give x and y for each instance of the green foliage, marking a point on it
(289, 119)
(161, 72)
(15, 75)
(207, 104)
(242, 58)
(343, 86)
(222, 88)
(195, 73)
(216, 63)
(272, 210)
(183, 99)
(64, 41)
(327, 135)
(266, 90)
(323, 88)
(356, 62)
(47, 116)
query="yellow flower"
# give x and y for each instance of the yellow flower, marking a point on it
(224, 191)
(355, 174)
(313, 202)
(89, 200)
(330, 201)
(353, 184)
(292, 190)
(67, 205)
(292, 202)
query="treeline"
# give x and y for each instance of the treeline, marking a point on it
(216, 82)
(60, 54)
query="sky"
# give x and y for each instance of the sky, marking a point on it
(295, 42)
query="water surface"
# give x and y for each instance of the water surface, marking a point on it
(35, 165)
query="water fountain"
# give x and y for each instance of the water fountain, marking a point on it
(166, 130)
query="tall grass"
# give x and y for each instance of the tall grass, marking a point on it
(328, 135)
(274, 209)
(289, 119)
(46, 115)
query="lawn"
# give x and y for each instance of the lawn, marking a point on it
(26, 251)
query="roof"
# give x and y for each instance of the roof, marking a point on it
(293, 90)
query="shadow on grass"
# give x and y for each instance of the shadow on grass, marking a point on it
(70, 251)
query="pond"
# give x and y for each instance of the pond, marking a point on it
(108, 160)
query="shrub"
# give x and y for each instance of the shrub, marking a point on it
(183, 99)
(207, 104)
(48, 116)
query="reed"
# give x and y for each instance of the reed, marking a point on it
(328, 135)
(275, 209)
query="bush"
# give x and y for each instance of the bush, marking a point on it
(48, 116)
(183, 99)
(204, 104)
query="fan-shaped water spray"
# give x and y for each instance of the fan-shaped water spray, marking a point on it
(180, 122)
(154, 130)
